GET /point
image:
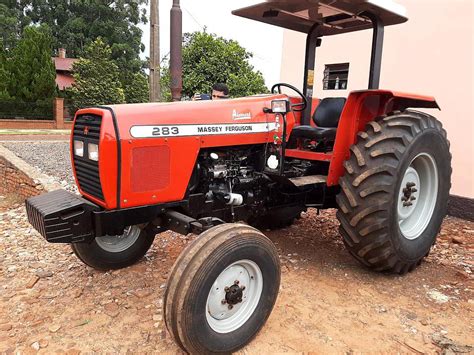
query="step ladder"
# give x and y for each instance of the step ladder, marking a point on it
(308, 180)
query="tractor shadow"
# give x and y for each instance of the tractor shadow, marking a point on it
(313, 242)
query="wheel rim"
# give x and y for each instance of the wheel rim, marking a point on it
(224, 312)
(119, 243)
(417, 196)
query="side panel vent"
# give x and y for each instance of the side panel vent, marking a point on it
(150, 168)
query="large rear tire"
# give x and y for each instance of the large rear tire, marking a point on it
(221, 289)
(115, 252)
(395, 191)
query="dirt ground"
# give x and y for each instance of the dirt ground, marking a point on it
(50, 302)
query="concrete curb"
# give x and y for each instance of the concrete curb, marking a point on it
(39, 179)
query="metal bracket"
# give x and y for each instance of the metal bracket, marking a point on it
(182, 224)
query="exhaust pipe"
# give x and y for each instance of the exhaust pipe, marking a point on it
(176, 58)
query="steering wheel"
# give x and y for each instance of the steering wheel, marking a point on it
(276, 89)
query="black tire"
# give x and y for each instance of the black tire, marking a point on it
(370, 190)
(194, 274)
(95, 256)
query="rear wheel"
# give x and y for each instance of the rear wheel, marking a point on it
(395, 190)
(222, 289)
(115, 252)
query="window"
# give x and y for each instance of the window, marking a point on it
(336, 76)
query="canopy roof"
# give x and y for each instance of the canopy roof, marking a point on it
(335, 16)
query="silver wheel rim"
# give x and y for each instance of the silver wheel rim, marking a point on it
(119, 243)
(417, 196)
(224, 317)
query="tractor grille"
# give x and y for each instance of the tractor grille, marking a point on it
(87, 130)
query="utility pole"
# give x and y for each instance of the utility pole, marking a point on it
(155, 87)
(176, 58)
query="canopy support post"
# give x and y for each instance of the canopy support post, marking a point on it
(310, 62)
(377, 48)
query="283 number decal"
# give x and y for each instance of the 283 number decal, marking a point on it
(165, 131)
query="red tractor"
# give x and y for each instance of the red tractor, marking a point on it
(221, 169)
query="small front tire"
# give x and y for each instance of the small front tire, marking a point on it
(222, 289)
(115, 252)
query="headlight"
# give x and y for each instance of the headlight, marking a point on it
(79, 148)
(93, 151)
(280, 106)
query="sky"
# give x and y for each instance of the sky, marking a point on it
(264, 41)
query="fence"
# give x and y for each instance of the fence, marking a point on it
(41, 110)
(68, 111)
(39, 115)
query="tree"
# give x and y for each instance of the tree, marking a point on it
(246, 83)
(208, 59)
(12, 23)
(31, 70)
(137, 89)
(75, 24)
(4, 76)
(96, 78)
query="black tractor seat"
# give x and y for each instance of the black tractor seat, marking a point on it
(313, 133)
(326, 117)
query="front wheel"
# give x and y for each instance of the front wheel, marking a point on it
(115, 252)
(222, 289)
(395, 191)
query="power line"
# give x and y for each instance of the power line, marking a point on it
(194, 19)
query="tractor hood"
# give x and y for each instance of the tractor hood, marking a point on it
(136, 120)
(143, 154)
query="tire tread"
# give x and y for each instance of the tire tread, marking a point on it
(366, 187)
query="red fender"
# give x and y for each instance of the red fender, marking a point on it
(362, 107)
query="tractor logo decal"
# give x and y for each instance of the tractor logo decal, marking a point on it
(241, 115)
(200, 130)
(86, 130)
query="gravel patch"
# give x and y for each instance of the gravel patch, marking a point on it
(51, 158)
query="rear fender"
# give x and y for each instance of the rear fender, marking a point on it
(361, 108)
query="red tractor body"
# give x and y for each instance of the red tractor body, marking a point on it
(159, 143)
